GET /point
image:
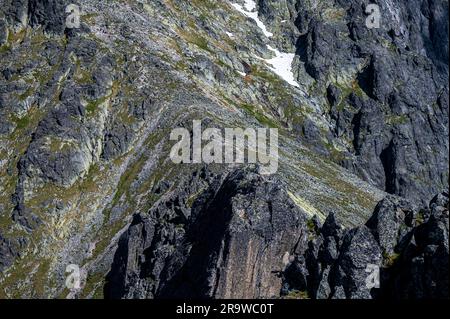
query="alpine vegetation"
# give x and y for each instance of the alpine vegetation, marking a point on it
(234, 146)
(232, 149)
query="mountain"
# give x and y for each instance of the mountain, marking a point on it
(87, 178)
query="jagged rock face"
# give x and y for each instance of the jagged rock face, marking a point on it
(392, 223)
(409, 247)
(86, 179)
(265, 246)
(397, 123)
(49, 14)
(7, 253)
(422, 269)
(233, 243)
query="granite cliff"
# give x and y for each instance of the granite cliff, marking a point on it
(86, 179)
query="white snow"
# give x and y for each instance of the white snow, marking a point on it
(250, 6)
(282, 62)
(230, 34)
(282, 65)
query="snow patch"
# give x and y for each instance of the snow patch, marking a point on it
(250, 6)
(282, 62)
(282, 65)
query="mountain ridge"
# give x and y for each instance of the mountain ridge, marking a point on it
(86, 114)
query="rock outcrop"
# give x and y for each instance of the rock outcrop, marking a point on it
(396, 123)
(244, 238)
(86, 178)
(406, 250)
(233, 243)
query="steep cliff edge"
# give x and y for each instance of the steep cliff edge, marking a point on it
(245, 238)
(86, 178)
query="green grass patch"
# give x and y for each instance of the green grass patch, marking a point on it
(22, 123)
(296, 294)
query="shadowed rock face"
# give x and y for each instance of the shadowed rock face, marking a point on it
(85, 175)
(421, 271)
(401, 70)
(235, 244)
(47, 13)
(7, 253)
(410, 247)
(246, 239)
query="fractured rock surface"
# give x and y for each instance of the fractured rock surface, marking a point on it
(86, 179)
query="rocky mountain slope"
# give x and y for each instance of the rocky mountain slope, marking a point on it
(86, 178)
